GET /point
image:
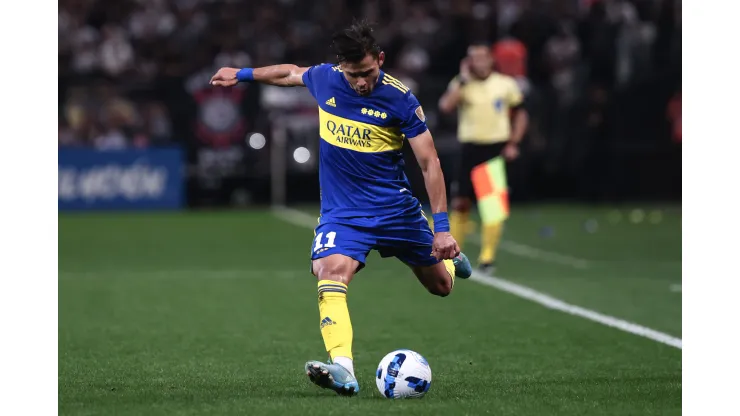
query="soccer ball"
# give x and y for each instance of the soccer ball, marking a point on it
(403, 374)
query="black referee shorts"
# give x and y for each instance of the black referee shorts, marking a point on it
(472, 155)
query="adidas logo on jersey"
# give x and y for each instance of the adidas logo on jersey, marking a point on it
(327, 321)
(331, 102)
(393, 82)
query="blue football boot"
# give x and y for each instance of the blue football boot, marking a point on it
(333, 377)
(463, 268)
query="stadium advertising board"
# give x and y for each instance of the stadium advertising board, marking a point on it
(143, 179)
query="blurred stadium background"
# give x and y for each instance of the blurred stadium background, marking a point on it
(166, 312)
(603, 82)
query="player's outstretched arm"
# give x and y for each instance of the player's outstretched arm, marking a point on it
(285, 75)
(444, 247)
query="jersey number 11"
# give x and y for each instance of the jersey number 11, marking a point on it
(329, 241)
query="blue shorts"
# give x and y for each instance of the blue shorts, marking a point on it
(407, 238)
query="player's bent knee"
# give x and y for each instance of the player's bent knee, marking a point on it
(442, 288)
(435, 279)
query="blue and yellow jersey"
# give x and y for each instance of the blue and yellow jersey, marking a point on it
(361, 168)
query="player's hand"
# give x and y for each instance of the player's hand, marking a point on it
(444, 246)
(511, 151)
(225, 77)
(465, 73)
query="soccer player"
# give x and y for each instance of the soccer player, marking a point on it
(366, 202)
(487, 102)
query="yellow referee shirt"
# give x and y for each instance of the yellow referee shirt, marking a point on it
(483, 113)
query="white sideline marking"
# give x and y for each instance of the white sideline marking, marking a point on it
(523, 250)
(302, 219)
(295, 217)
(559, 305)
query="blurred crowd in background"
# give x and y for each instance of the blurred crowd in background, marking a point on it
(599, 75)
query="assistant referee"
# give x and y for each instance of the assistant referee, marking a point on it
(491, 122)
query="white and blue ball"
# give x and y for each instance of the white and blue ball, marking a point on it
(403, 374)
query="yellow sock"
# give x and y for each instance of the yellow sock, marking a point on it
(451, 270)
(458, 226)
(336, 328)
(491, 236)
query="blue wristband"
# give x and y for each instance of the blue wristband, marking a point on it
(245, 75)
(441, 222)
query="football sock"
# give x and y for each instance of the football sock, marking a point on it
(450, 266)
(458, 227)
(490, 238)
(336, 328)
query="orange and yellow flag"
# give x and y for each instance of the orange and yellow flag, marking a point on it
(489, 182)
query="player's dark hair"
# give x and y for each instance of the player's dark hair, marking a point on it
(353, 43)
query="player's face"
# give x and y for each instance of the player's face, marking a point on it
(363, 75)
(481, 62)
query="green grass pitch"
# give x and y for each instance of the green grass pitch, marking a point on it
(216, 313)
